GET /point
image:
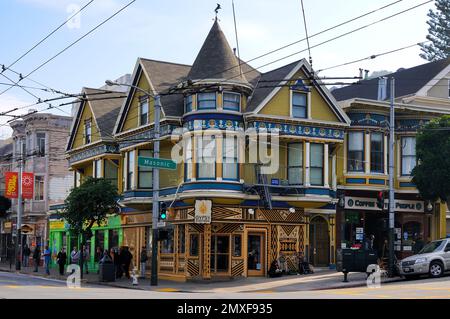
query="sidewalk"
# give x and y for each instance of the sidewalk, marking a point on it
(322, 279)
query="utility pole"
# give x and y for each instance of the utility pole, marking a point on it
(391, 179)
(155, 204)
(18, 245)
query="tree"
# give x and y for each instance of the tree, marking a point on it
(432, 173)
(88, 204)
(438, 33)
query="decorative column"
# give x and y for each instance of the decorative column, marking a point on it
(325, 165)
(207, 251)
(307, 164)
(333, 173)
(385, 143)
(367, 151)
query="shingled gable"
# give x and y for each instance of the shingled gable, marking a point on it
(216, 60)
(271, 82)
(407, 82)
(104, 106)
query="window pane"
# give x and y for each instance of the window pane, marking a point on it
(40, 141)
(299, 111)
(295, 154)
(355, 153)
(167, 244)
(298, 99)
(193, 245)
(376, 152)
(145, 177)
(355, 141)
(207, 100)
(143, 112)
(181, 239)
(207, 157)
(230, 170)
(110, 172)
(188, 102)
(130, 170)
(316, 164)
(409, 146)
(237, 245)
(408, 163)
(231, 101)
(408, 154)
(295, 175)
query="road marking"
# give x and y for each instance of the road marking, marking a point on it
(167, 290)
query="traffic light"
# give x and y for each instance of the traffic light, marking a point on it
(5, 205)
(162, 211)
(380, 199)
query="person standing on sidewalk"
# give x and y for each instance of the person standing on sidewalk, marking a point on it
(144, 259)
(61, 260)
(26, 255)
(36, 258)
(74, 256)
(86, 257)
(47, 259)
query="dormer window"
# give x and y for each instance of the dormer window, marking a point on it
(206, 101)
(299, 104)
(143, 112)
(87, 131)
(231, 101)
(188, 103)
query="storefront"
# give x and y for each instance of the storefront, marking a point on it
(107, 236)
(360, 218)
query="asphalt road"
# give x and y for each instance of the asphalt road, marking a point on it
(18, 286)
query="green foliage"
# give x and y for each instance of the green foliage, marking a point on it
(432, 174)
(438, 33)
(88, 204)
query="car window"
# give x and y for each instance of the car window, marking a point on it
(431, 247)
(447, 248)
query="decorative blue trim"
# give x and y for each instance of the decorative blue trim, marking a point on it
(95, 151)
(209, 186)
(355, 180)
(377, 181)
(368, 119)
(298, 130)
(404, 125)
(318, 191)
(407, 184)
(214, 123)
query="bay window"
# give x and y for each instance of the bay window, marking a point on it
(206, 101)
(230, 158)
(355, 153)
(316, 164)
(295, 163)
(145, 174)
(231, 101)
(376, 153)
(206, 162)
(188, 160)
(408, 154)
(130, 169)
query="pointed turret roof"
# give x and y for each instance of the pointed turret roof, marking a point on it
(216, 59)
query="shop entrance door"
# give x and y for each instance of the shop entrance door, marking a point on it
(255, 254)
(319, 242)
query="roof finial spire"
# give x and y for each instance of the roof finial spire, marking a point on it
(216, 10)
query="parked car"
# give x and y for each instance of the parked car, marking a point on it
(432, 259)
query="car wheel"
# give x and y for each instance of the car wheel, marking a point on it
(436, 269)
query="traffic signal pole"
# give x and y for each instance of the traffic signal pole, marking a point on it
(155, 204)
(391, 180)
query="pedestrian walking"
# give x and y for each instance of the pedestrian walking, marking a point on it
(61, 259)
(36, 258)
(26, 255)
(144, 259)
(74, 256)
(47, 259)
(126, 261)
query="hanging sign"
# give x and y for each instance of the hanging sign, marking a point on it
(27, 185)
(11, 185)
(203, 211)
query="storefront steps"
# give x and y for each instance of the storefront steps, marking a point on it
(322, 279)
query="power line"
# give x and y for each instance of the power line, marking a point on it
(46, 37)
(72, 44)
(306, 32)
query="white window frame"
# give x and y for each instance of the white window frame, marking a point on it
(209, 108)
(38, 143)
(186, 103)
(308, 104)
(300, 167)
(402, 138)
(223, 101)
(144, 101)
(86, 128)
(38, 189)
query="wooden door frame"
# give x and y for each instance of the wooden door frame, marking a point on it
(312, 244)
(258, 231)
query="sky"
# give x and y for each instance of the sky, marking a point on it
(175, 30)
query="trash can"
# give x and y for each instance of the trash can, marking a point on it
(355, 260)
(107, 271)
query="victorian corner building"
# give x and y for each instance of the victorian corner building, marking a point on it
(227, 218)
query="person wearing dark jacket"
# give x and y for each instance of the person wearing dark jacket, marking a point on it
(26, 255)
(36, 258)
(61, 259)
(126, 257)
(144, 259)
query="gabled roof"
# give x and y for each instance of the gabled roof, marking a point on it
(270, 84)
(216, 60)
(105, 107)
(407, 82)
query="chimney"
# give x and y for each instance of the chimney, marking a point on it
(366, 74)
(382, 88)
(234, 50)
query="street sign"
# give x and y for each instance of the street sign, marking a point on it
(161, 224)
(157, 163)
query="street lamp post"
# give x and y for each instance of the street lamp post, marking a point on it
(155, 201)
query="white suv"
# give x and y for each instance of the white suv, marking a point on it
(433, 259)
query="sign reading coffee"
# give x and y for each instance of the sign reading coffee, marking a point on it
(371, 204)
